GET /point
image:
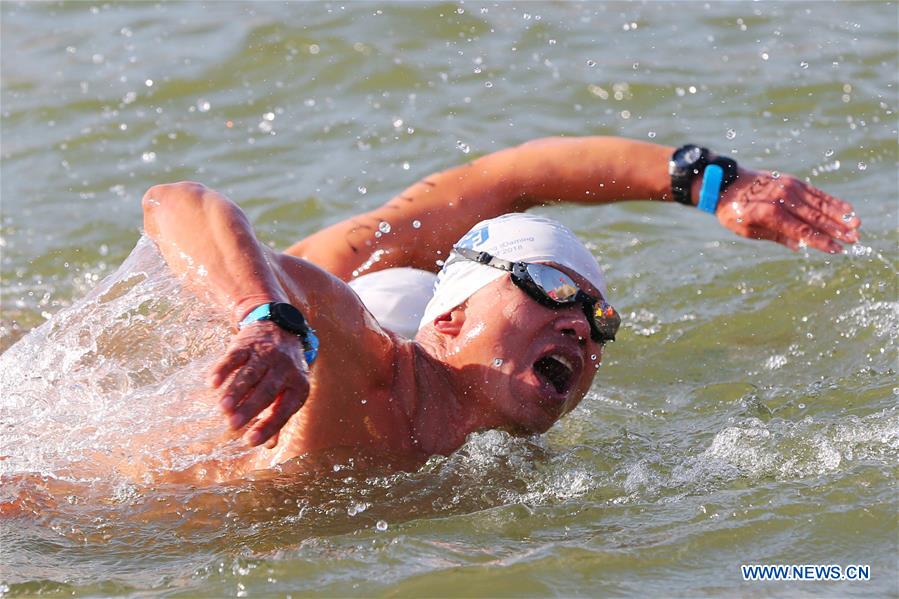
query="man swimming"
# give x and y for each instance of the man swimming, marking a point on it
(517, 324)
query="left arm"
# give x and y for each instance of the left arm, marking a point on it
(431, 215)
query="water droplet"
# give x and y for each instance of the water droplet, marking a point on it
(416, 224)
(362, 189)
(488, 84)
(848, 217)
(98, 58)
(397, 123)
(148, 83)
(464, 147)
(203, 105)
(862, 166)
(591, 63)
(384, 226)
(801, 406)
(803, 65)
(730, 134)
(381, 525)
(593, 356)
(269, 116)
(148, 157)
(692, 89)
(775, 174)
(764, 56)
(406, 166)
(828, 153)
(651, 135)
(497, 362)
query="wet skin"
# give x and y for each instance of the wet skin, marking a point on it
(375, 392)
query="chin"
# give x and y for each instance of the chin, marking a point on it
(530, 414)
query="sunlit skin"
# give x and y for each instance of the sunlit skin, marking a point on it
(378, 394)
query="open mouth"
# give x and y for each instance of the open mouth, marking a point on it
(557, 370)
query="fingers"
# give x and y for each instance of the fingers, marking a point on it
(271, 443)
(818, 220)
(238, 387)
(233, 359)
(288, 404)
(835, 209)
(755, 232)
(794, 232)
(257, 399)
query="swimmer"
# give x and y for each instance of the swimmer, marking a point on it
(519, 318)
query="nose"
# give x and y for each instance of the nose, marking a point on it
(573, 322)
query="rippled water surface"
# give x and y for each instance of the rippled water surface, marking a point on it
(747, 413)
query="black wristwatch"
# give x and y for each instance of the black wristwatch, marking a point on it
(689, 161)
(291, 320)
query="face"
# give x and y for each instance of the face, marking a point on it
(531, 364)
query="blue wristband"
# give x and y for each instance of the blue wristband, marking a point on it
(308, 338)
(711, 188)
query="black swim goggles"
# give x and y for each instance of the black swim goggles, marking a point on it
(554, 289)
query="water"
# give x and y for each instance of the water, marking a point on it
(747, 413)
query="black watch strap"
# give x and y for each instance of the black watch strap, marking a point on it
(688, 162)
(729, 166)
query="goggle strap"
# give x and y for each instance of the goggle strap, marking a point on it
(484, 258)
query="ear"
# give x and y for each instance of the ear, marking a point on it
(451, 322)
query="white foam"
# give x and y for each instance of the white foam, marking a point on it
(113, 380)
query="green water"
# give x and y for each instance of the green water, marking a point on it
(747, 413)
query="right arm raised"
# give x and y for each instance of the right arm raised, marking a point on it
(202, 233)
(208, 239)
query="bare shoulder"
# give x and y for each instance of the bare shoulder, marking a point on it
(352, 340)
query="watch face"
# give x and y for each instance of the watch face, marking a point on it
(692, 155)
(288, 317)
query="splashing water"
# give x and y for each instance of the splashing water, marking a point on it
(113, 384)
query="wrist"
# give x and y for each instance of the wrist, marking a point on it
(695, 188)
(249, 303)
(289, 318)
(687, 168)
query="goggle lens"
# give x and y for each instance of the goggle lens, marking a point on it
(560, 288)
(606, 321)
(555, 284)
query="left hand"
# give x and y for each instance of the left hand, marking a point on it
(781, 208)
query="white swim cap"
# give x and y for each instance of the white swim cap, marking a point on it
(515, 237)
(396, 297)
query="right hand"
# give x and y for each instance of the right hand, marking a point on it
(263, 368)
